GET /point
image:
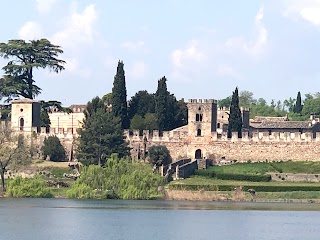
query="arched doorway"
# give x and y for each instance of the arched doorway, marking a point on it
(21, 124)
(198, 154)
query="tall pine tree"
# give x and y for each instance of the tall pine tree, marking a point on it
(100, 135)
(164, 106)
(119, 96)
(235, 118)
(298, 106)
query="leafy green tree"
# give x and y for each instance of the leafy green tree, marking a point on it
(261, 102)
(119, 96)
(100, 136)
(298, 105)
(181, 113)
(151, 121)
(224, 102)
(53, 148)
(311, 106)
(23, 187)
(159, 155)
(5, 112)
(246, 99)
(289, 104)
(14, 152)
(141, 103)
(25, 57)
(137, 122)
(119, 179)
(107, 99)
(235, 118)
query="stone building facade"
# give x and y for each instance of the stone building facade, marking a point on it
(204, 137)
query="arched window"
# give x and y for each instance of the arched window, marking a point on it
(21, 124)
(198, 154)
(218, 125)
(198, 132)
(200, 118)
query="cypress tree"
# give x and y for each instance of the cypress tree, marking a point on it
(235, 118)
(163, 106)
(119, 96)
(298, 106)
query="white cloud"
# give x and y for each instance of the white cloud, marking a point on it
(133, 46)
(30, 30)
(138, 70)
(45, 6)
(78, 29)
(225, 70)
(308, 10)
(73, 67)
(253, 47)
(184, 59)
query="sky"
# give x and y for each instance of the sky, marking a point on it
(205, 48)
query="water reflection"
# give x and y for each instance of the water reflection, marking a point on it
(54, 219)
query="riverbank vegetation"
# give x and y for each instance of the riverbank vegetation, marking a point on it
(118, 179)
(28, 187)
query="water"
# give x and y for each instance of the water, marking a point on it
(55, 219)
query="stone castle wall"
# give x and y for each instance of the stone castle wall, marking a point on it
(258, 147)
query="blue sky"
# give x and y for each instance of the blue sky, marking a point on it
(205, 48)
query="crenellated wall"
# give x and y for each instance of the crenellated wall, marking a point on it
(257, 147)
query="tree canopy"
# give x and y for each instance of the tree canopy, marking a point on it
(53, 148)
(101, 135)
(24, 57)
(235, 117)
(14, 152)
(119, 96)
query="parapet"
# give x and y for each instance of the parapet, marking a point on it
(202, 101)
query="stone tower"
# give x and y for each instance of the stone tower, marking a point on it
(25, 115)
(202, 117)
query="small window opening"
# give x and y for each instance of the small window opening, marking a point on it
(269, 132)
(201, 118)
(198, 132)
(21, 124)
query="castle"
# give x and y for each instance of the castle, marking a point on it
(204, 137)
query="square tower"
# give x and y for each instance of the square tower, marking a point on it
(202, 117)
(25, 115)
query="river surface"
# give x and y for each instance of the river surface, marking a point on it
(55, 219)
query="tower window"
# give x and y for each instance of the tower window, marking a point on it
(197, 117)
(201, 117)
(218, 125)
(198, 132)
(21, 123)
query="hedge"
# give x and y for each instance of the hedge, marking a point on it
(232, 176)
(262, 188)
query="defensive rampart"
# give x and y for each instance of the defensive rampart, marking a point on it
(258, 147)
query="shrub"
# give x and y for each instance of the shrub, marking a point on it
(257, 188)
(159, 155)
(118, 179)
(32, 187)
(53, 148)
(232, 176)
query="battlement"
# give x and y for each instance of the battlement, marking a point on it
(242, 109)
(182, 136)
(202, 101)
